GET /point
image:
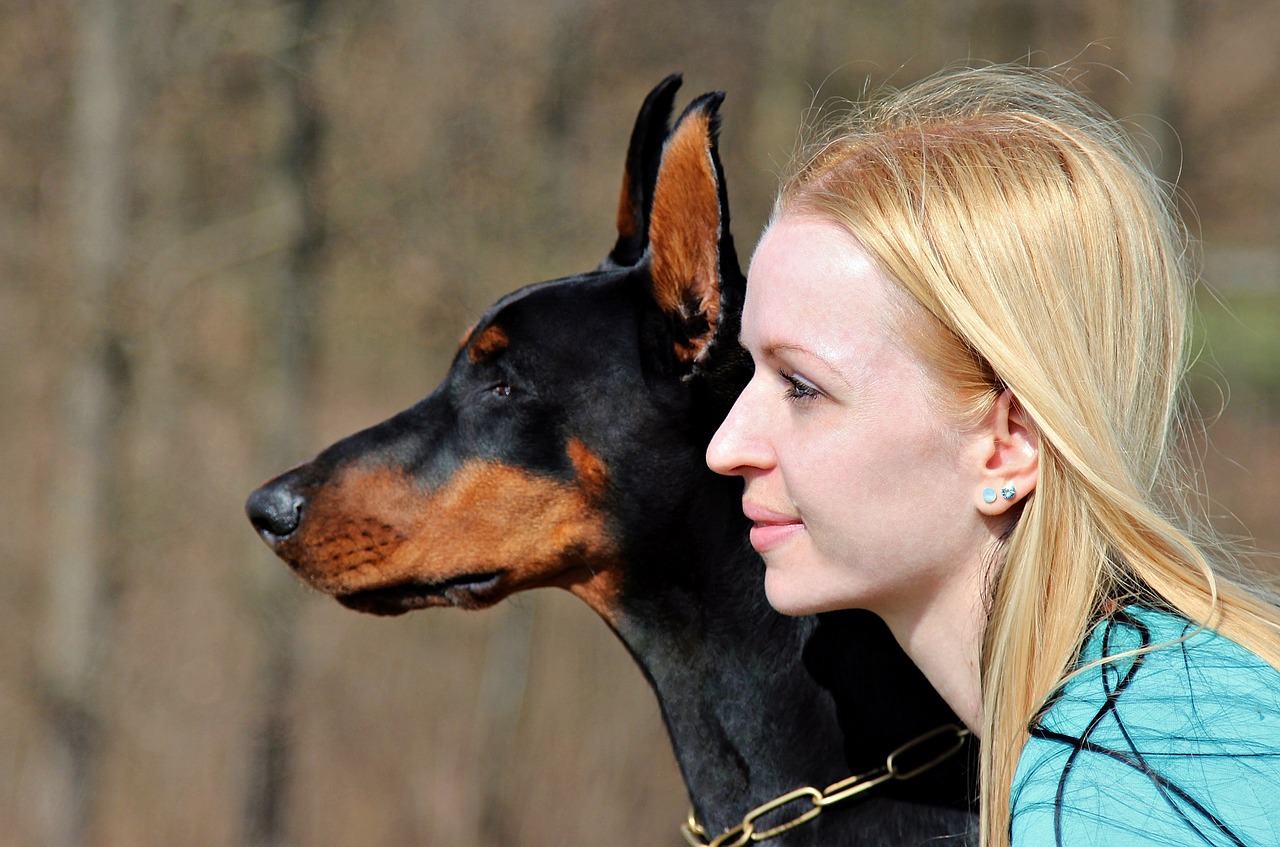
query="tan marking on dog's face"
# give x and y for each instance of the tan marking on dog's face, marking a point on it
(373, 529)
(466, 336)
(593, 476)
(602, 590)
(488, 343)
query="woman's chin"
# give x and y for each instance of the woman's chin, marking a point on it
(791, 596)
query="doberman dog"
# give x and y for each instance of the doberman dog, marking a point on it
(565, 448)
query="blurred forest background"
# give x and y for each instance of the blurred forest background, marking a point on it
(232, 231)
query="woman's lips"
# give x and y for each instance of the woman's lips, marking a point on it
(769, 528)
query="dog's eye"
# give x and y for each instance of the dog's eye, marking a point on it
(502, 389)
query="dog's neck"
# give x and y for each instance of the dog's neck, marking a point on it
(756, 703)
(746, 720)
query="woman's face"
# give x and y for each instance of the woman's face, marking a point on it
(861, 488)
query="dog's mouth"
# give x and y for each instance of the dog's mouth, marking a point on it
(466, 591)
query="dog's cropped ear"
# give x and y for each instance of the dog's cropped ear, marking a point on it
(689, 230)
(643, 154)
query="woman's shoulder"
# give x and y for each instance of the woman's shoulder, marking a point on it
(1155, 747)
(1179, 660)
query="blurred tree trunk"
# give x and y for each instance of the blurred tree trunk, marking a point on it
(497, 717)
(86, 512)
(1154, 50)
(290, 407)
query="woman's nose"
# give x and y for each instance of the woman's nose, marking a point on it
(737, 445)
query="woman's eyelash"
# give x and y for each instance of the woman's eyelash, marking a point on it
(798, 389)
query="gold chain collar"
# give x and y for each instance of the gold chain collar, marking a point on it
(893, 768)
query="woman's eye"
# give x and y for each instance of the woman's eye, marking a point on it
(797, 388)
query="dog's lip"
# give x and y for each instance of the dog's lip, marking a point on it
(467, 591)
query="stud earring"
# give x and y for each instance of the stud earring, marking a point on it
(1008, 492)
(988, 495)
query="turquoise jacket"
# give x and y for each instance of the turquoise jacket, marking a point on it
(1180, 745)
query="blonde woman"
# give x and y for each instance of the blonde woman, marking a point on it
(968, 318)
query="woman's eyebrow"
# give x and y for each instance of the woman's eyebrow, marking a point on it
(774, 348)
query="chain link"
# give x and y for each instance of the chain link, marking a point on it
(899, 765)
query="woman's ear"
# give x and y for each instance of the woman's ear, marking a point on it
(1010, 457)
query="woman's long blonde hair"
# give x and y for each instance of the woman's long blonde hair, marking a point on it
(1026, 222)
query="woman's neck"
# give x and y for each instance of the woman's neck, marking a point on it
(943, 636)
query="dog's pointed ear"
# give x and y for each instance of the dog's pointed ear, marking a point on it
(643, 154)
(690, 249)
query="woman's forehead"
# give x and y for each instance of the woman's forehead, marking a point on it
(812, 269)
(813, 290)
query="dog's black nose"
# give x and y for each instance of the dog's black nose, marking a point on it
(275, 510)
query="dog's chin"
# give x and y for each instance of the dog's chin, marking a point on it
(468, 591)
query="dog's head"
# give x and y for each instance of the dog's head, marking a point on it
(568, 434)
